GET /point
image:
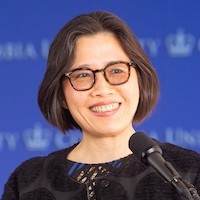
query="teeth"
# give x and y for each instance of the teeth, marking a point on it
(106, 108)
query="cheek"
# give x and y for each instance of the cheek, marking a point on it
(134, 97)
(73, 98)
(134, 85)
(67, 91)
(133, 93)
(136, 90)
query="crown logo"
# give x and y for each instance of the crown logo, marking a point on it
(37, 139)
(180, 44)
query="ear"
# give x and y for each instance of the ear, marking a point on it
(64, 104)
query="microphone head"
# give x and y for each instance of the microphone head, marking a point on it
(142, 145)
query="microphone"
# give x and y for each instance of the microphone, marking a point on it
(150, 153)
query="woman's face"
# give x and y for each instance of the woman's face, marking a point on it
(103, 110)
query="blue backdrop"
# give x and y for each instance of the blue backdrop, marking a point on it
(169, 32)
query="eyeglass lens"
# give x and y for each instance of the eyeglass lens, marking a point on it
(83, 78)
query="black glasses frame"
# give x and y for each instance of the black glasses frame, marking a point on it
(129, 64)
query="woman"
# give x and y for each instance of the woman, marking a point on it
(98, 80)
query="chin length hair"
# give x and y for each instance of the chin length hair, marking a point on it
(61, 56)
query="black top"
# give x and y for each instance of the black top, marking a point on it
(49, 178)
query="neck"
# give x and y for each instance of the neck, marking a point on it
(93, 149)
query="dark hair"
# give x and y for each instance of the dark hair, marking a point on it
(61, 54)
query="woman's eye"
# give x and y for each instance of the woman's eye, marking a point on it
(82, 75)
(116, 71)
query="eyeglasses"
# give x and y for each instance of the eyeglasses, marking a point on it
(115, 73)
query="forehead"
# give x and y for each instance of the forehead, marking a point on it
(97, 39)
(98, 49)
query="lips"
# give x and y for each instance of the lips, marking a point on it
(105, 108)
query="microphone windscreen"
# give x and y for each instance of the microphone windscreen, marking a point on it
(140, 143)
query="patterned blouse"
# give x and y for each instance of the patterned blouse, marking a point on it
(85, 173)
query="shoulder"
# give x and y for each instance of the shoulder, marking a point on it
(182, 158)
(33, 166)
(30, 170)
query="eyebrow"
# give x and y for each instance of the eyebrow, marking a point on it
(80, 66)
(89, 66)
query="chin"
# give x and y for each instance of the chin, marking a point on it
(108, 131)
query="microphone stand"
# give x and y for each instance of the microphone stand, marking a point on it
(192, 189)
(183, 187)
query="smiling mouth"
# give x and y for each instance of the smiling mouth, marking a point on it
(105, 108)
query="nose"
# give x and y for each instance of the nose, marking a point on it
(101, 86)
